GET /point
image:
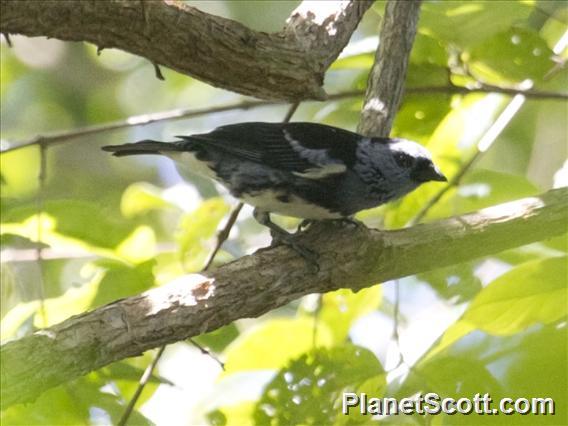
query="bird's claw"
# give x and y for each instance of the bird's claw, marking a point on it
(349, 221)
(304, 224)
(310, 256)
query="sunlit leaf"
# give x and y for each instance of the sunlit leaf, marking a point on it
(141, 197)
(460, 22)
(514, 55)
(428, 50)
(72, 302)
(482, 188)
(341, 308)
(197, 227)
(273, 343)
(219, 339)
(139, 246)
(119, 279)
(15, 168)
(532, 293)
(81, 221)
(15, 317)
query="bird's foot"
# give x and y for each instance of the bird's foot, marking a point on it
(280, 236)
(349, 221)
(310, 256)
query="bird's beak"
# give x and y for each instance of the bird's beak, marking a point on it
(437, 175)
(428, 173)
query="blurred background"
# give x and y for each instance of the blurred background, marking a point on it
(109, 228)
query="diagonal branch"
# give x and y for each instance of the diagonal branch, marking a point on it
(285, 65)
(270, 278)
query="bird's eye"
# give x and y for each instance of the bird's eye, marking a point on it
(403, 160)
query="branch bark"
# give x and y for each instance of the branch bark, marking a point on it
(270, 278)
(286, 65)
(388, 75)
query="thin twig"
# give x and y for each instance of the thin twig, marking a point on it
(478, 87)
(42, 175)
(396, 324)
(183, 113)
(208, 353)
(293, 108)
(137, 120)
(158, 72)
(141, 384)
(223, 235)
(8, 39)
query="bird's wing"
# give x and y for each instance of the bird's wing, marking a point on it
(306, 149)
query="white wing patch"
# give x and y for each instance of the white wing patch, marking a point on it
(324, 165)
(322, 172)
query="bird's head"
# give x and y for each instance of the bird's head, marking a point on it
(401, 164)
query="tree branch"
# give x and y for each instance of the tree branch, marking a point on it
(286, 65)
(386, 79)
(272, 277)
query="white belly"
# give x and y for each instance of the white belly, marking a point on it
(295, 207)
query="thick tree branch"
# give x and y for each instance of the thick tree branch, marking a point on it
(386, 79)
(287, 65)
(270, 278)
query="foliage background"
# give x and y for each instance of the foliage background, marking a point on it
(116, 227)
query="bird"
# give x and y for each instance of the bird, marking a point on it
(306, 170)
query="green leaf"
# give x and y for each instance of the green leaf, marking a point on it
(139, 246)
(341, 308)
(16, 168)
(456, 282)
(74, 301)
(309, 389)
(482, 188)
(514, 55)
(453, 376)
(467, 23)
(532, 293)
(15, 318)
(428, 50)
(142, 197)
(219, 339)
(125, 371)
(273, 343)
(119, 280)
(79, 220)
(420, 114)
(196, 228)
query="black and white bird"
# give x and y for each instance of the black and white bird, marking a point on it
(305, 170)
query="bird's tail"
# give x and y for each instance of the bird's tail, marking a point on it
(143, 147)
